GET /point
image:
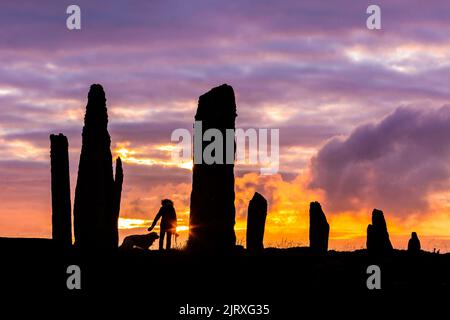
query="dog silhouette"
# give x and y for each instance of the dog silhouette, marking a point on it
(140, 241)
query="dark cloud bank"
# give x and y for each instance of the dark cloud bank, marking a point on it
(393, 165)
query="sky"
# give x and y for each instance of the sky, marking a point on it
(364, 115)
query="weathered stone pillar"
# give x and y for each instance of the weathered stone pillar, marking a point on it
(212, 211)
(378, 241)
(256, 221)
(414, 244)
(319, 228)
(93, 211)
(61, 205)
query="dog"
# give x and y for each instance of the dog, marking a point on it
(140, 241)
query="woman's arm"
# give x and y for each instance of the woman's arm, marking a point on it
(155, 221)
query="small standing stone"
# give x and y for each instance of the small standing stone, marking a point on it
(319, 229)
(414, 243)
(256, 220)
(378, 241)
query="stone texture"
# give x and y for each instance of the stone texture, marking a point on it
(212, 210)
(319, 228)
(256, 220)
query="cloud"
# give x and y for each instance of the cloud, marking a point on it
(395, 164)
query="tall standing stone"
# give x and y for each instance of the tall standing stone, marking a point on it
(378, 241)
(61, 206)
(93, 211)
(256, 221)
(212, 211)
(319, 229)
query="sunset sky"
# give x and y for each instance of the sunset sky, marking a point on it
(364, 115)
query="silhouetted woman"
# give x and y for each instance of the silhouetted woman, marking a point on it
(168, 222)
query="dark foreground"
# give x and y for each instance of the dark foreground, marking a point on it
(287, 280)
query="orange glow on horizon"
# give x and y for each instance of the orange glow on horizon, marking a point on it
(138, 156)
(287, 220)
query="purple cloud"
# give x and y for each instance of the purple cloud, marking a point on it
(394, 164)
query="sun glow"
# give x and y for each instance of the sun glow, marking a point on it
(140, 156)
(182, 228)
(131, 223)
(134, 223)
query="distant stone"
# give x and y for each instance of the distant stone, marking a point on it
(319, 229)
(256, 220)
(414, 243)
(377, 235)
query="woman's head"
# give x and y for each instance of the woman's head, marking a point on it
(166, 202)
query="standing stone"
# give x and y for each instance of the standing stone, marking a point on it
(93, 211)
(118, 181)
(414, 243)
(319, 228)
(377, 235)
(212, 211)
(256, 220)
(61, 206)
